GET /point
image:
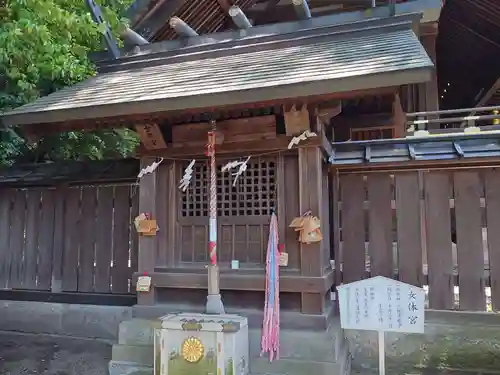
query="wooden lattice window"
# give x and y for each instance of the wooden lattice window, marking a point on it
(254, 194)
(366, 134)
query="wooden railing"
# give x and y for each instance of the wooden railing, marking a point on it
(454, 120)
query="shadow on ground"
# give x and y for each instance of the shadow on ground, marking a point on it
(37, 354)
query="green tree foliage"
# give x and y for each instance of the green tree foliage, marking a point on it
(44, 46)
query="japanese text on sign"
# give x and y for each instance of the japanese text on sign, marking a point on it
(382, 304)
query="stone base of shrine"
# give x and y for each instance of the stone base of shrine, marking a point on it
(453, 340)
(310, 344)
(302, 351)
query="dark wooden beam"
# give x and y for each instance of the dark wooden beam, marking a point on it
(269, 8)
(69, 297)
(246, 129)
(363, 121)
(312, 3)
(326, 146)
(285, 14)
(225, 5)
(157, 17)
(279, 144)
(193, 278)
(272, 12)
(493, 91)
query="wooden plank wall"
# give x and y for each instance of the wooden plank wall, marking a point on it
(437, 228)
(76, 239)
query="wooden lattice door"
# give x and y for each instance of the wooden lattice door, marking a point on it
(243, 212)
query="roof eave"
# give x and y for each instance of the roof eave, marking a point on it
(226, 98)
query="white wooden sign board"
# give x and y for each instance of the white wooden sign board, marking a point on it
(384, 305)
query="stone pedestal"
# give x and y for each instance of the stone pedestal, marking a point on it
(199, 344)
(302, 351)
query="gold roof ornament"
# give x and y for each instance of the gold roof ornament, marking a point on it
(496, 121)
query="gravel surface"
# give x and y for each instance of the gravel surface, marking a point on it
(22, 354)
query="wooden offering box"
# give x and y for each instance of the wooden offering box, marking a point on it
(199, 344)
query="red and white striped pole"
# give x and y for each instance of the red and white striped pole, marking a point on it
(214, 301)
(212, 224)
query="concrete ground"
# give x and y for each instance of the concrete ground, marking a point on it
(26, 354)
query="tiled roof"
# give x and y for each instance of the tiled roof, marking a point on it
(454, 146)
(324, 60)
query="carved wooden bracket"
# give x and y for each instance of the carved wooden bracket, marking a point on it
(151, 136)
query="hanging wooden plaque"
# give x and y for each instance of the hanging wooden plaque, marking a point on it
(143, 284)
(283, 260)
(145, 225)
(296, 120)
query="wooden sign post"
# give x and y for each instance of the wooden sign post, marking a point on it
(383, 305)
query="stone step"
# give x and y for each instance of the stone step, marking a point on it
(137, 331)
(302, 365)
(262, 366)
(294, 343)
(300, 344)
(258, 366)
(128, 368)
(139, 354)
(302, 351)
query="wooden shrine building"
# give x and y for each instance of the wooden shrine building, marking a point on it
(262, 86)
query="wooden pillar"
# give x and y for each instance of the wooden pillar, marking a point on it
(147, 244)
(423, 97)
(173, 258)
(310, 195)
(409, 98)
(398, 117)
(431, 87)
(166, 214)
(429, 91)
